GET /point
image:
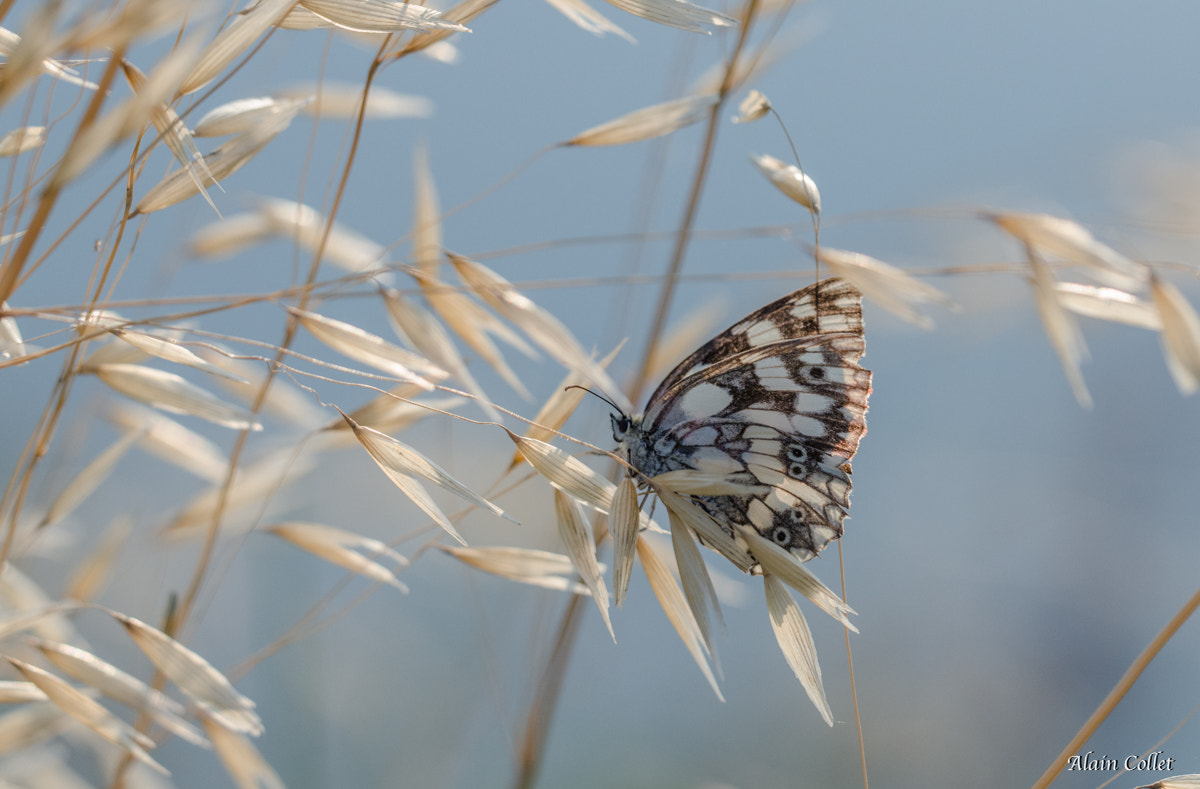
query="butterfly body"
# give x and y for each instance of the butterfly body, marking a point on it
(777, 404)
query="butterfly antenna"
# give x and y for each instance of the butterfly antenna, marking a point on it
(615, 407)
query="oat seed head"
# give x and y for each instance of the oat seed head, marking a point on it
(1061, 328)
(791, 180)
(697, 585)
(195, 676)
(675, 606)
(576, 535)
(20, 140)
(1180, 335)
(753, 107)
(172, 393)
(648, 122)
(796, 643)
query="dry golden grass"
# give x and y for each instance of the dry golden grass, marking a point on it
(257, 415)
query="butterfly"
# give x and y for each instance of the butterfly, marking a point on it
(778, 402)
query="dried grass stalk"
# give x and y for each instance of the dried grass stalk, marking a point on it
(648, 122)
(93, 573)
(389, 413)
(572, 476)
(342, 547)
(175, 135)
(576, 535)
(229, 235)
(100, 318)
(403, 459)
(587, 18)
(1055, 236)
(129, 116)
(566, 473)
(90, 713)
(239, 757)
(1108, 304)
(16, 692)
(83, 666)
(676, 13)
(544, 329)
(169, 392)
(300, 18)
(114, 352)
(221, 163)
(31, 725)
(553, 414)
(19, 593)
(796, 643)
(116, 28)
(380, 16)
(558, 408)
(242, 115)
(425, 333)
(86, 481)
(1061, 328)
(195, 676)
(889, 287)
(1180, 335)
(368, 348)
(44, 619)
(235, 39)
(28, 57)
(20, 140)
(284, 399)
(170, 351)
(525, 565)
(786, 567)
(470, 321)
(461, 14)
(11, 343)
(344, 248)
(344, 100)
(474, 314)
(427, 216)
(167, 439)
(252, 485)
(708, 530)
(623, 526)
(697, 585)
(388, 455)
(442, 52)
(675, 606)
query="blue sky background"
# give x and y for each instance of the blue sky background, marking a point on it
(1009, 554)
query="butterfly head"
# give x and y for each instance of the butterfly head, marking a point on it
(620, 426)
(621, 422)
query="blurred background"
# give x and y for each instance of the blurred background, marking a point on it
(1009, 553)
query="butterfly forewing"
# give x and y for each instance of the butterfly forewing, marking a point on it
(828, 307)
(777, 401)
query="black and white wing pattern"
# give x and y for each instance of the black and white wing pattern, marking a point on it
(777, 401)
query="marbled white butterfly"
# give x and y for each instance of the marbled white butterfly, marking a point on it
(777, 401)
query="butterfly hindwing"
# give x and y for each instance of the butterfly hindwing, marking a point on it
(777, 401)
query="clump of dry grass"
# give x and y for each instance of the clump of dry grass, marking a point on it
(160, 365)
